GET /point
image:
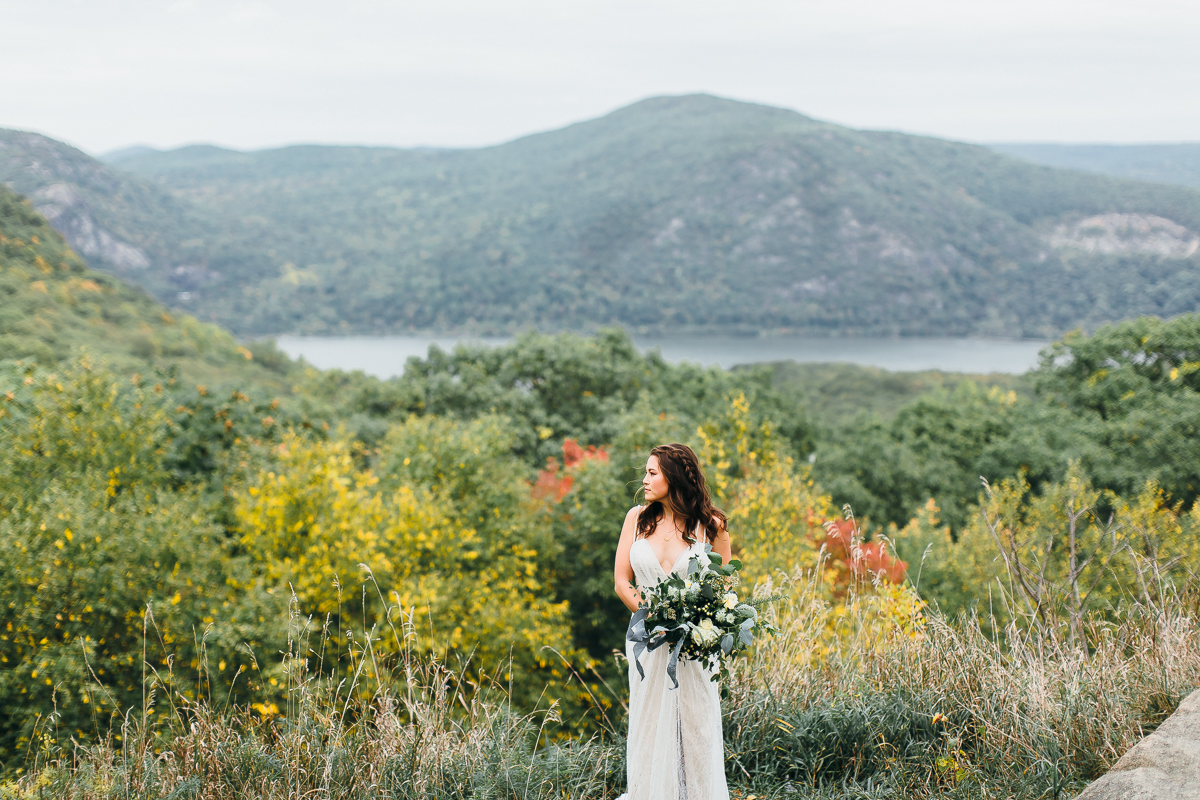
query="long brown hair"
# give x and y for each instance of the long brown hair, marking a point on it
(688, 495)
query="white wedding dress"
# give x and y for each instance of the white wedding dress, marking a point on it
(675, 748)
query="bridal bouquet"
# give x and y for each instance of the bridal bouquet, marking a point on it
(699, 616)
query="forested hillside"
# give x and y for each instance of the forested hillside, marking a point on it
(53, 308)
(676, 213)
(114, 220)
(1161, 163)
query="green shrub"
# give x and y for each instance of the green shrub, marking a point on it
(118, 583)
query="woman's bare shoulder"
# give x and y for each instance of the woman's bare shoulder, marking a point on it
(629, 526)
(631, 518)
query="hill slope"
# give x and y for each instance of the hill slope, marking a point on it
(53, 307)
(114, 220)
(676, 213)
(1162, 163)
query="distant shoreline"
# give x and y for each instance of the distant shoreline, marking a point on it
(385, 356)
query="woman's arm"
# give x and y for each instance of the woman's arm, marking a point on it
(622, 569)
(723, 545)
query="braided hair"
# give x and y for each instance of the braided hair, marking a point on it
(688, 495)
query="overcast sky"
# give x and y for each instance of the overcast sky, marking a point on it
(103, 75)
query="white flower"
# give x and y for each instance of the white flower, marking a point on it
(705, 633)
(691, 588)
(731, 599)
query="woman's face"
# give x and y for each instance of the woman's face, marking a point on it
(654, 484)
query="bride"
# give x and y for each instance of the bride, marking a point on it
(675, 747)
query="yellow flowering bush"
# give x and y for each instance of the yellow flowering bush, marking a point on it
(777, 519)
(776, 513)
(411, 552)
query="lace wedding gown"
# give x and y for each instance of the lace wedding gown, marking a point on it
(675, 749)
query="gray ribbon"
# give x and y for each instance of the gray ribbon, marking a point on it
(644, 640)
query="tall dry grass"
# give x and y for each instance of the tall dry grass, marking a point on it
(425, 731)
(868, 696)
(896, 704)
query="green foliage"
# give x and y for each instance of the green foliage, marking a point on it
(602, 492)
(1124, 403)
(117, 586)
(444, 539)
(469, 465)
(1136, 384)
(1054, 559)
(939, 445)
(551, 388)
(952, 709)
(205, 429)
(832, 394)
(673, 214)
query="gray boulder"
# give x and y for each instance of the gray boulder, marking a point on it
(1163, 766)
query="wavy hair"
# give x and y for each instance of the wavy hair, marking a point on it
(687, 493)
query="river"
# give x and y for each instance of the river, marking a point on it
(384, 356)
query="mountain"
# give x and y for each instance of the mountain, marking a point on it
(119, 223)
(674, 214)
(1162, 163)
(116, 156)
(53, 307)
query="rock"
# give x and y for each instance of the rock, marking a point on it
(65, 209)
(1127, 233)
(1163, 766)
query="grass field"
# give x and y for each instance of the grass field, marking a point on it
(870, 698)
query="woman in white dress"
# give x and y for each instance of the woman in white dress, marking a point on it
(675, 746)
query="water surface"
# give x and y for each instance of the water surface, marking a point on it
(385, 356)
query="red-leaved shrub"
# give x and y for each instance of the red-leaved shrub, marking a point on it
(554, 482)
(855, 559)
